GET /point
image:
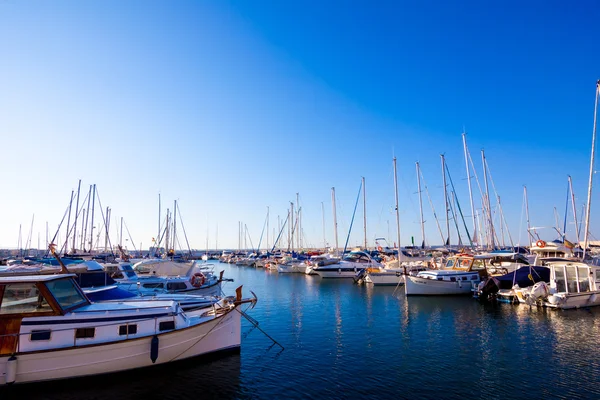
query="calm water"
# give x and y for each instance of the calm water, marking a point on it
(347, 341)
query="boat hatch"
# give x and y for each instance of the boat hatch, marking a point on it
(572, 278)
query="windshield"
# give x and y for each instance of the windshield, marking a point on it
(66, 294)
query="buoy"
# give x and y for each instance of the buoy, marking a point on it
(11, 370)
(154, 349)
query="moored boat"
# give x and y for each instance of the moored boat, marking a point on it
(50, 330)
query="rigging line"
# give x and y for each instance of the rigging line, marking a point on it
(249, 237)
(497, 199)
(566, 212)
(475, 174)
(57, 230)
(433, 209)
(280, 232)
(521, 219)
(104, 219)
(352, 220)
(459, 209)
(129, 234)
(184, 232)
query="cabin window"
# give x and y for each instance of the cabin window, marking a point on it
(40, 335)
(128, 329)
(583, 277)
(450, 263)
(478, 265)
(452, 279)
(572, 279)
(85, 333)
(66, 294)
(176, 286)
(23, 298)
(152, 285)
(464, 278)
(166, 325)
(598, 275)
(559, 279)
(465, 263)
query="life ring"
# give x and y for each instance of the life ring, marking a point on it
(379, 248)
(198, 279)
(540, 244)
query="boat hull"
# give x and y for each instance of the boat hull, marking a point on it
(385, 278)
(568, 301)
(221, 333)
(417, 286)
(331, 273)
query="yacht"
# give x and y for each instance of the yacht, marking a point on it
(50, 330)
(347, 267)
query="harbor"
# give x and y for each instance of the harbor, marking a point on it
(347, 341)
(299, 200)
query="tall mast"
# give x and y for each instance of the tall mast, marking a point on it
(157, 241)
(92, 226)
(446, 199)
(397, 211)
(464, 136)
(574, 209)
(174, 240)
(335, 233)
(294, 225)
(487, 199)
(87, 218)
(267, 247)
(298, 237)
(69, 221)
(121, 234)
(527, 212)
(365, 209)
(76, 212)
(106, 225)
(589, 199)
(420, 202)
(167, 231)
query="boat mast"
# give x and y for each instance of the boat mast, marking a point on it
(335, 233)
(174, 240)
(121, 234)
(529, 234)
(92, 225)
(420, 202)
(365, 209)
(87, 218)
(76, 213)
(446, 200)
(106, 225)
(589, 199)
(487, 200)
(69, 221)
(267, 246)
(464, 136)
(294, 225)
(157, 241)
(397, 211)
(298, 235)
(574, 208)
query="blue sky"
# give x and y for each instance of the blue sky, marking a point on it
(233, 107)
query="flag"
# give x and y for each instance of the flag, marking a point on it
(568, 244)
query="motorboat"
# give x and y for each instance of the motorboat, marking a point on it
(459, 276)
(166, 276)
(573, 284)
(347, 267)
(50, 330)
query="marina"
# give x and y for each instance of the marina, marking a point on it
(342, 340)
(299, 200)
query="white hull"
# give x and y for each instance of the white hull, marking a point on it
(218, 334)
(430, 287)
(567, 301)
(336, 273)
(385, 278)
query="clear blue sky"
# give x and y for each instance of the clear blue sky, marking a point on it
(233, 107)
